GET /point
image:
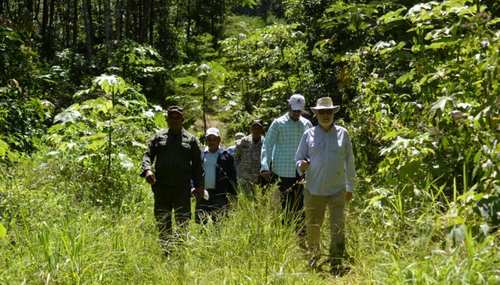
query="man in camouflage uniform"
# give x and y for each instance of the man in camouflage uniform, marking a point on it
(247, 156)
(172, 165)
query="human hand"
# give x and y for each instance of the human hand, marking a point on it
(266, 174)
(150, 177)
(197, 192)
(348, 196)
(303, 165)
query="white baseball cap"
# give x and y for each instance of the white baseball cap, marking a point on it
(297, 102)
(239, 136)
(213, 131)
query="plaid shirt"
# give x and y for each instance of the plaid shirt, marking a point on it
(280, 145)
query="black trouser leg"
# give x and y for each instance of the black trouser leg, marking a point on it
(163, 221)
(292, 201)
(215, 206)
(166, 200)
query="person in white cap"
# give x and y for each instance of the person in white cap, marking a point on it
(220, 178)
(325, 156)
(278, 158)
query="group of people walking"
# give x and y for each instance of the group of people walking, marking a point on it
(313, 167)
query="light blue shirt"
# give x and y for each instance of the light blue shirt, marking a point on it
(280, 145)
(209, 166)
(331, 167)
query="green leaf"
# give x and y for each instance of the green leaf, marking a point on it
(125, 161)
(405, 77)
(67, 116)
(441, 44)
(186, 81)
(278, 85)
(437, 45)
(392, 16)
(4, 148)
(203, 70)
(111, 84)
(440, 104)
(3, 232)
(159, 119)
(493, 22)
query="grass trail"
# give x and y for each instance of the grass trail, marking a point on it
(54, 237)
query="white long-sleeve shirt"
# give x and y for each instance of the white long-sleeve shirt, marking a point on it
(331, 160)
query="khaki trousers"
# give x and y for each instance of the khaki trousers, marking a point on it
(315, 207)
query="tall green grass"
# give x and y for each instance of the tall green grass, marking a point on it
(394, 237)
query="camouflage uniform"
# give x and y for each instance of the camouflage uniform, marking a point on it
(247, 158)
(177, 164)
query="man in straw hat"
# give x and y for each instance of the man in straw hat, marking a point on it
(325, 156)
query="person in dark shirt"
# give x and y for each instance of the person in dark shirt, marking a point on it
(172, 166)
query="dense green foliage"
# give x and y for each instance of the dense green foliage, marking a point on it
(418, 85)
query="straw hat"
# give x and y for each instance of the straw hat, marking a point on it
(325, 103)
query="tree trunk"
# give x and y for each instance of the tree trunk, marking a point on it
(67, 25)
(36, 12)
(51, 15)
(108, 26)
(5, 8)
(188, 26)
(49, 44)
(75, 23)
(89, 30)
(118, 20)
(164, 41)
(151, 21)
(140, 10)
(129, 28)
(27, 15)
(44, 27)
(147, 18)
(144, 20)
(177, 13)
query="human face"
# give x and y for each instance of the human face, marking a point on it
(213, 143)
(325, 117)
(175, 121)
(295, 114)
(256, 131)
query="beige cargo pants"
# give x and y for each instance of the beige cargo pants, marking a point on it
(315, 207)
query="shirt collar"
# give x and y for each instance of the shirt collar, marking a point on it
(333, 129)
(289, 119)
(219, 150)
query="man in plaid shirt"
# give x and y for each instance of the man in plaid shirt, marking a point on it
(278, 158)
